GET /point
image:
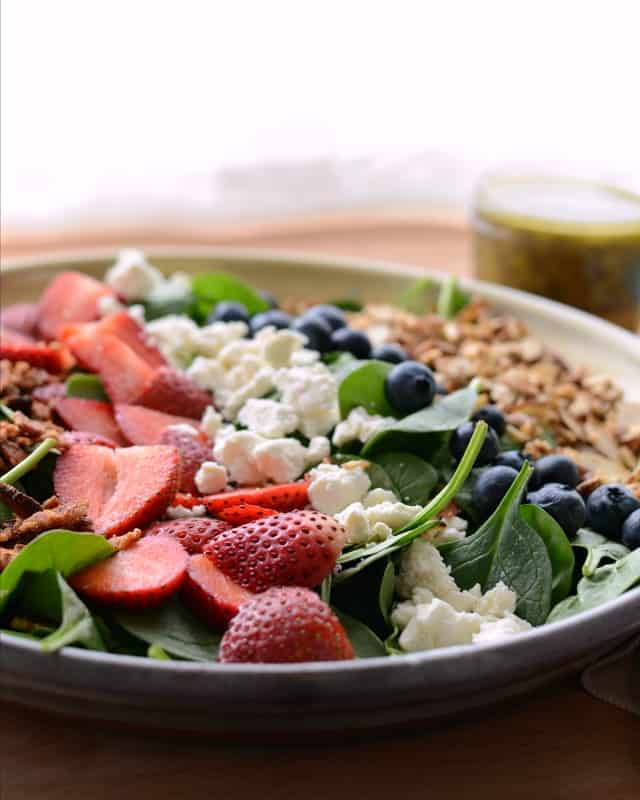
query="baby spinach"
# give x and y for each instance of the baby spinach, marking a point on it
(363, 385)
(505, 548)
(451, 298)
(76, 626)
(364, 641)
(83, 384)
(606, 583)
(154, 309)
(209, 288)
(558, 549)
(421, 297)
(411, 478)
(59, 550)
(387, 590)
(347, 304)
(157, 652)
(596, 549)
(443, 416)
(174, 629)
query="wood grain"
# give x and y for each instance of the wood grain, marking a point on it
(557, 744)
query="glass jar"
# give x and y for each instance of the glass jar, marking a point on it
(573, 241)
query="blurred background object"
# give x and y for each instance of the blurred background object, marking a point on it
(127, 121)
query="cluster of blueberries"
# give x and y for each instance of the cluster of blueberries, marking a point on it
(409, 386)
(611, 510)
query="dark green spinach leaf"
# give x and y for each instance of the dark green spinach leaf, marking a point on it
(411, 478)
(596, 549)
(363, 385)
(86, 385)
(558, 549)
(452, 299)
(364, 641)
(387, 590)
(421, 297)
(209, 288)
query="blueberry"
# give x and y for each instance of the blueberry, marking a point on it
(354, 342)
(608, 508)
(554, 469)
(409, 387)
(332, 315)
(392, 353)
(278, 319)
(631, 531)
(229, 311)
(461, 438)
(268, 298)
(316, 330)
(510, 458)
(490, 488)
(563, 503)
(493, 417)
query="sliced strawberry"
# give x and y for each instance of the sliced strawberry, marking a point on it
(91, 416)
(143, 576)
(286, 497)
(285, 625)
(69, 438)
(49, 392)
(70, 297)
(194, 448)
(210, 594)
(142, 425)
(174, 393)
(52, 359)
(192, 533)
(124, 374)
(86, 473)
(125, 488)
(15, 338)
(21, 317)
(297, 548)
(244, 513)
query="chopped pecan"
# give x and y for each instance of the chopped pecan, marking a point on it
(70, 516)
(126, 539)
(20, 503)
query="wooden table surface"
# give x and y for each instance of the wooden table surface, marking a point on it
(557, 743)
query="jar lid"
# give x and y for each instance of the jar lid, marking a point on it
(561, 205)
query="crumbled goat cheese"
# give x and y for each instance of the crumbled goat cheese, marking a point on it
(184, 427)
(494, 631)
(180, 512)
(333, 488)
(175, 287)
(107, 304)
(359, 426)
(211, 478)
(268, 418)
(235, 449)
(280, 460)
(132, 277)
(455, 529)
(312, 392)
(279, 349)
(211, 421)
(377, 521)
(319, 448)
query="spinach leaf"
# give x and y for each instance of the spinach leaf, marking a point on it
(558, 548)
(347, 304)
(84, 384)
(451, 299)
(421, 297)
(596, 549)
(364, 386)
(605, 584)
(154, 309)
(62, 551)
(209, 288)
(174, 629)
(157, 652)
(365, 643)
(387, 590)
(443, 416)
(76, 626)
(411, 478)
(506, 549)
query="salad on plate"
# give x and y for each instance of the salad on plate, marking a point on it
(193, 469)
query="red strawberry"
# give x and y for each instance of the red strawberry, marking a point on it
(52, 359)
(10, 337)
(194, 448)
(124, 374)
(192, 533)
(142, 576)
(70, 297)
(285, 625)
(91, 416)
(69, 438)
(174, 393)
(142, 425)
(244, 513)
(286, 497)
(125, 488)
(49, 392)
(297, 548)
(21, 317)
(210, 594)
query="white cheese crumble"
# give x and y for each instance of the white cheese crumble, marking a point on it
(359, 426)
(132, 276)
(333, 488)
(312, 392)
(268, 418)
(211, 478)
(211, 421)
(180, 512)
(367, 522)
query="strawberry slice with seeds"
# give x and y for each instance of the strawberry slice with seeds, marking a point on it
(193, 447)
(285, 497)
(91, 416)
(49, 392)
(174, 393)
(244, 513)
(124, 488)
(56, 359)
(140, 577)
(123, 373)
(193, 534)
(142, 425)
(285, 625)
(297, 548)
(210, 594)
(69, 438)
(15, 338)
(70, 297)
(21, 318)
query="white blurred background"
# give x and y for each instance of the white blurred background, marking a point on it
(137, 110)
